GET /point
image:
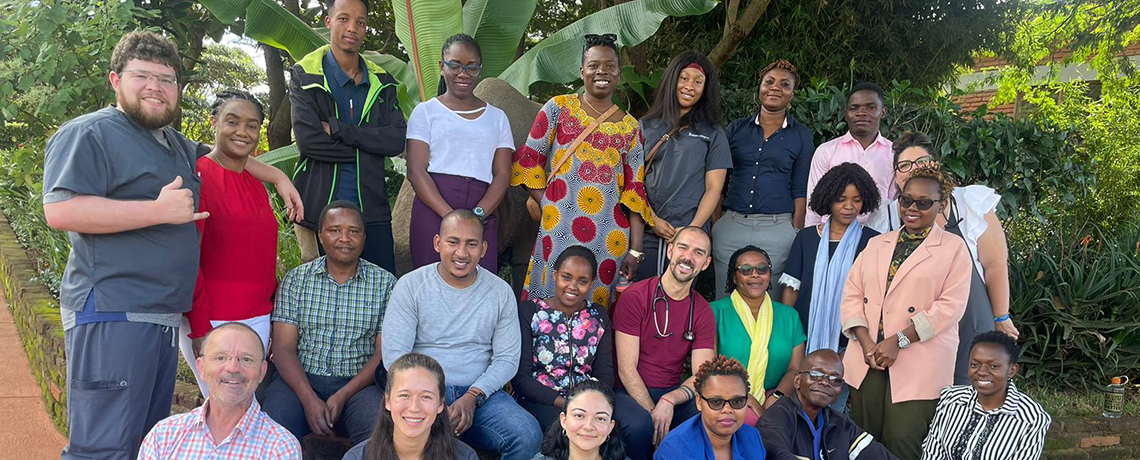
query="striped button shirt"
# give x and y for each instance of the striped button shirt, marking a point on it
(963, 430)
(337, 324)
(255, 437)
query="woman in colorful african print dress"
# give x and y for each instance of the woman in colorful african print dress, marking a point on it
(583, 204)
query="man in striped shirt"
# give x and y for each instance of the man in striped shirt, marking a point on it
(988, 419)
(802, 426)
(230, 425)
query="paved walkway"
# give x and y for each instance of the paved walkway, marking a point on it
(26, 432)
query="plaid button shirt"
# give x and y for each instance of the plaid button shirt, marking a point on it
(255, 437)
(337, 324)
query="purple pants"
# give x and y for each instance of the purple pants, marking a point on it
(460, 193)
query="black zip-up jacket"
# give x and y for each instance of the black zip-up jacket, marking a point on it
(787, 435)
(381, 133)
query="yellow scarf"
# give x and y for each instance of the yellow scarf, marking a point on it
(760, 331)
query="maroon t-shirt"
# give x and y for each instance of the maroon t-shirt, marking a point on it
(660, 360)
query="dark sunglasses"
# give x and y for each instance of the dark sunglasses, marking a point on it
(455, 67)
(820, 377)
(748, 270)
(907, 165)
(736, 403)
(923, 204)
(601, 38)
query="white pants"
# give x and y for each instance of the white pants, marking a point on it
(260, 324)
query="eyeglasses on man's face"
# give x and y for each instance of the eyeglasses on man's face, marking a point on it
(821, 377)
(143, 77)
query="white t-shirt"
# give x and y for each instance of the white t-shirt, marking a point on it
(459, 146)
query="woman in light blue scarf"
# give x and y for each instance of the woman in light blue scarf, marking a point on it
(817, 266)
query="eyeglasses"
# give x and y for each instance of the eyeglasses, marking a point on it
(143, 77)
(601, 38)
(748, 270)
(244, 360)
(736, 403)
(455, 67)
(923, 204)
(907, 165)
(820, 377)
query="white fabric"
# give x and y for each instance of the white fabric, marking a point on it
(974, 202)
(260, 324)
(790, 281)
(459, 146)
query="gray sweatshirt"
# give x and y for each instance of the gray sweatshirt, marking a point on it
(472, 332)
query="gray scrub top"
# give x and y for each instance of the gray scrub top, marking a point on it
(148, 270)
(675, 181)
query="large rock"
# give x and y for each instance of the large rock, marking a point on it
(517, 232)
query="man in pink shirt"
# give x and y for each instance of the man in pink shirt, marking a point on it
(862, 145)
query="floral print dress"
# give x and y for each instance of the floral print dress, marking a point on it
(584, 203)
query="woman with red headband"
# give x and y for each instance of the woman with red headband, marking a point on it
(687, 155)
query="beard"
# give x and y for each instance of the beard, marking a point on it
(151, 121)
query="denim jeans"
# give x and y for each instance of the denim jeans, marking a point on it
(356, 419)
(502, 426)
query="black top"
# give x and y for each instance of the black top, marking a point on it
(801, 267)
(768, 174)
(787, 436)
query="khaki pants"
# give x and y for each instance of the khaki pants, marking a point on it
(900, 427)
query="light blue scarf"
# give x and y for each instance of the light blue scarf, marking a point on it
(828, 278)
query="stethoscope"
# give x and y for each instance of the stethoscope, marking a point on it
(659, 295)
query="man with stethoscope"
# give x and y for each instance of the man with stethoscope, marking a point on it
(661, 321)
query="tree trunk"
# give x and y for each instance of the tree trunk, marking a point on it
(280, 130)
(737, 29)
(190, 59)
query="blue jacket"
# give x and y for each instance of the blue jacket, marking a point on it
(689, 441)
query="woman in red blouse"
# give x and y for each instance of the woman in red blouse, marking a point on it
(237, 272)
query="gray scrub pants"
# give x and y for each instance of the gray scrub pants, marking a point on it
(771, 232)
(120, 383)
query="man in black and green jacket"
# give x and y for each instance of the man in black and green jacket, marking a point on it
(346, 120)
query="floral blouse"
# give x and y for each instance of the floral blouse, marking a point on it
(560, 350)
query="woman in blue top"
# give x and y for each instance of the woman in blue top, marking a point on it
(719, 431)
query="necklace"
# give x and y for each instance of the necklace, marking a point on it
(587, 101)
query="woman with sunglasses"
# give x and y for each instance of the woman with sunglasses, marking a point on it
(765, 335)
(582, 165)
(971, 216)
(585, 429)
(567, 340)
(687, 155)
(459, 155)
(904, 297)
(719, 431)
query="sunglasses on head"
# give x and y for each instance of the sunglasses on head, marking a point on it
(736, 403)
(748, 270)
(923, 204)
(820, 377)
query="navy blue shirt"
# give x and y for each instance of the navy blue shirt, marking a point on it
(350, 98)
(768, 174)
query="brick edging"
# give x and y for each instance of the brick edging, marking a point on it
(36, 314)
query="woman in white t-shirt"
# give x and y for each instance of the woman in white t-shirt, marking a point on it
(971, 216)
(459, 155)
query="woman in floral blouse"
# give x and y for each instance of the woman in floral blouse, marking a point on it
(566, 340)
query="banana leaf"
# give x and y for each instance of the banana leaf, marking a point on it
(552, 59)
(267, 22)
(423, 26)
(498, 26)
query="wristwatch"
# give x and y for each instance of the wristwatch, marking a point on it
(480, 213)
(637, 254)
(904, 341)
(480, 399)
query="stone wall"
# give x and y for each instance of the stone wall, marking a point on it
(1092, 438)
(36, 313)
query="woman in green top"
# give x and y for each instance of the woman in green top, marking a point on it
(764, 335)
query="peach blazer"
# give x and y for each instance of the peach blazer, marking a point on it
(930, 290)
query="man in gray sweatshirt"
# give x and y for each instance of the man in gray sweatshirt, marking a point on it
(467, 319)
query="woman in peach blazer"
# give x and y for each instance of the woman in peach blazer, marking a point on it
(912, 284)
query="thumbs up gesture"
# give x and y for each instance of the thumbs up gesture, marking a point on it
(175, 205)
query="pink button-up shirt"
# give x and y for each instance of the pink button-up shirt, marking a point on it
(255, 437)
(878, 159)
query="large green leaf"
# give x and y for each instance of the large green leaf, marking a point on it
(497, 25)
(267, 22)
(553, 59)
(423, 26)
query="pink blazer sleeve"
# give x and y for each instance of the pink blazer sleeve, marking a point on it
(851, 308)
(950, 305)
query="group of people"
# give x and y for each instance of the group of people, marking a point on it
(858, 289)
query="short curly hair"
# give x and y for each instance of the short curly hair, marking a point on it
(1001, 340)
(945, 184)
(145, 45)
(833, 183)
(721, 365)
(780, 64)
